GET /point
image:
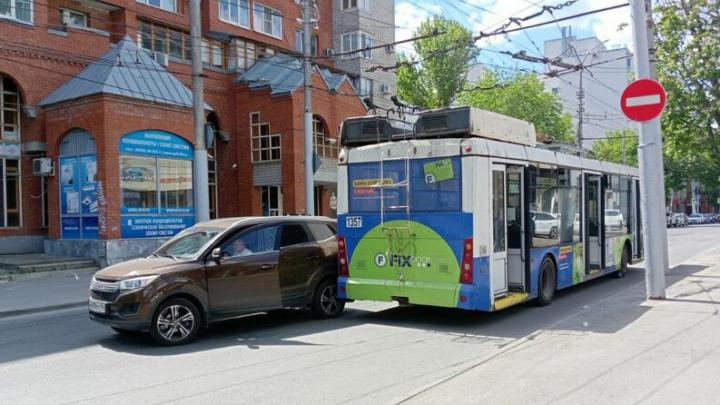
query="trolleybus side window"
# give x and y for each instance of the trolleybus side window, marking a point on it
(570, 197)
(543, 199)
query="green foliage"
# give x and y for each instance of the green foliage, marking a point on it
(620, 146)
(522, 96)
(688, 55)
(443, 64)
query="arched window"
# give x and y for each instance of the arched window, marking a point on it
(9, 109)
(325, 145)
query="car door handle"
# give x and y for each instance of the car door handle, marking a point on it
(266, 267)
(312, 257)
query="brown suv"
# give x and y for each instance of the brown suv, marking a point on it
(218, 270)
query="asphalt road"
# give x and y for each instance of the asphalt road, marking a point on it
(374, 353)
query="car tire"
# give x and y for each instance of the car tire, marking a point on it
(325, 303)
(175, 322)
(546, 283)
(624, 263)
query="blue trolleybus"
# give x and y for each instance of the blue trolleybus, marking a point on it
(462, 210)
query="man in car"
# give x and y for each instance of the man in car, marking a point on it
(238, 248)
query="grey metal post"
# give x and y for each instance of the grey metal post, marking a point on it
(581, 113)
(200, 163)
(307, 116)
(650, 159)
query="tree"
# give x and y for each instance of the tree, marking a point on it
(620, 146)
(522, 96)
(435, 77)
(688, 52)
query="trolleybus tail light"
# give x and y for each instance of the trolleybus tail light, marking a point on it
(466, 271)
(342, 257)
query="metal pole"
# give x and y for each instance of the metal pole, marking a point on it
(581, 112)
(650, 159)
(307, 116)
(200, 163)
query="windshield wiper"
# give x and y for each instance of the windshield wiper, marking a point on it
(165, 255)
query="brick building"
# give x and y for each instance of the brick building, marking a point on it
(102, 89)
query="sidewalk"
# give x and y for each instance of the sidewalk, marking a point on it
(622, 350)
(44, 294)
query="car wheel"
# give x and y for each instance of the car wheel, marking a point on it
(175, 322)
(546, 284)
(325, 303)
(553, 233)
(624, 262)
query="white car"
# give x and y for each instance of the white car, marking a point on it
(614, 220)
(696, 219)
(546, 224)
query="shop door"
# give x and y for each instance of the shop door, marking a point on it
(78, 186)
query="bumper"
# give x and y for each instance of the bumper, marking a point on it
(120, 322)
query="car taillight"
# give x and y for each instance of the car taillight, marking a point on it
(466, 269)
(342, 257)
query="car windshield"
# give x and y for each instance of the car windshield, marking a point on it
(188, 243)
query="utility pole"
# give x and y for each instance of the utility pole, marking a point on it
(200, 163)
(308, 115)
(650, 159)
(580, 112)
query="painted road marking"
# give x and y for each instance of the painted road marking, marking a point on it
(643, 100)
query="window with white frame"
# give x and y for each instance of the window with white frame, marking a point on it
(363, 86)
(73, 18)
(246, 53)
(325, 146)
(300, 45)
(167, 5)
(20, 10)
(235, 12)
(350, 4)
(357, 41)
(9, 193)
(271, 201)
(9, 110)
(265, 146)
(267, 20)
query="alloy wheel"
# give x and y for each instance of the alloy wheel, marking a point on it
(175, 322)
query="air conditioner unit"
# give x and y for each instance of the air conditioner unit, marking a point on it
(161, 58)
(329, 52)
(43, 167)
(385, 89)
(389, 48)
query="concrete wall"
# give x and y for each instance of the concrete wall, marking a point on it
(378, 21)
(602, 85)
(104, 252)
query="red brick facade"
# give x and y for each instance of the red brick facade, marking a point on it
(41, 56)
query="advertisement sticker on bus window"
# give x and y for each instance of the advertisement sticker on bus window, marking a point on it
(366, 187)
(438, 170)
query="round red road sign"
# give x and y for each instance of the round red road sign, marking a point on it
(643, 100)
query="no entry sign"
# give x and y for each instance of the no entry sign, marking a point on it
(643, 100)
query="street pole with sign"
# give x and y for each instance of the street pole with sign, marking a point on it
(645, 101)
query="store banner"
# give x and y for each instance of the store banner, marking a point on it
(137, 226)
(88, 192)
(157, 144)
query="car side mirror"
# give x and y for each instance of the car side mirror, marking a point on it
(216, 255)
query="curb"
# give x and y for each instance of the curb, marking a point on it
(7, 278)
(49, 308)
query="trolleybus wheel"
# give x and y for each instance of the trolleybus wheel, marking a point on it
(546, 284)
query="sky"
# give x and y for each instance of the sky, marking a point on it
(486, 15)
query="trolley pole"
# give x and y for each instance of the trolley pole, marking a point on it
(650, 159)
(307, 116)
(200, 163)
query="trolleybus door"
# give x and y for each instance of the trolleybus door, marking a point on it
(593, 223)
(499, 216)
(515, 228)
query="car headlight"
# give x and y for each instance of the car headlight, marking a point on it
(137, 282)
